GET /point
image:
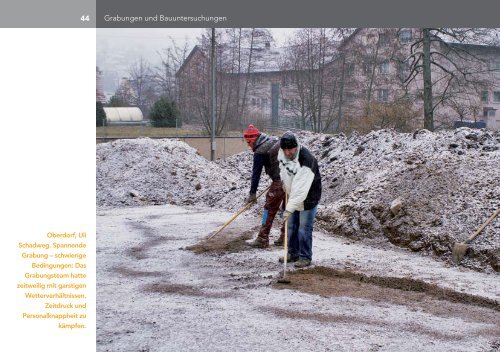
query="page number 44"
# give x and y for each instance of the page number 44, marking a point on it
(85, 18)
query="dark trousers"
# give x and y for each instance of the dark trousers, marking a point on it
(300, 228)
(274, 198)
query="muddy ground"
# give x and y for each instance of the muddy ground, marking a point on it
(161, 286)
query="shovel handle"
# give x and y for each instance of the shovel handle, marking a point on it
(484, 225)
(238, 213)
(285, 256)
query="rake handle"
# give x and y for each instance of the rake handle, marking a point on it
(239, 212)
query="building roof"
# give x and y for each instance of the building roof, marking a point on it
(477, 48)
(267, 59)
(196, 49)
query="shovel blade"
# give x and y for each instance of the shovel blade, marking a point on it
(458, 252)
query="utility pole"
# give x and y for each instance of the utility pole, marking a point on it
(212, 138)
(426, 71)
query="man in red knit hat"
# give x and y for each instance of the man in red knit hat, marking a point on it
(265, 155)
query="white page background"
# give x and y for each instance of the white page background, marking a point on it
(47, 144)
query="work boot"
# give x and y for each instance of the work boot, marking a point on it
(289, 259)
(302, 263)
(259, 243)
(279, 242)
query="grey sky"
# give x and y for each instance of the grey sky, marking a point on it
(118, 48)
(131, 43)
(157, 35)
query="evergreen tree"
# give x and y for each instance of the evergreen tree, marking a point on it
(117, 101)
(164, 113)
(100, 115)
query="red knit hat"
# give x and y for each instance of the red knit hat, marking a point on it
(251, 133)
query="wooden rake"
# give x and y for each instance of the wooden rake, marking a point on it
(247, 206)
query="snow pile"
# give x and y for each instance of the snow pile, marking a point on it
(424, 191)
(150, 172)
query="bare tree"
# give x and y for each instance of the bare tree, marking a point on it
(123, 95)
(393, 77)
(141, 83)
(237, 53)
(307, 56)
(171, 59)
(386, 102)
(441, 59)
(234, 66)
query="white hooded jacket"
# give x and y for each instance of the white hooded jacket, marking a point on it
(301, 179)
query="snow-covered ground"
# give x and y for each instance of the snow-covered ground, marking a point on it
(154, 294)
(393, 205)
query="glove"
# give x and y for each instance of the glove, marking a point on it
(286, 214)
(251, 198)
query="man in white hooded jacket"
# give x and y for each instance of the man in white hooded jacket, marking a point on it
(301, 179)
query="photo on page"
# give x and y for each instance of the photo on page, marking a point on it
(315, 189)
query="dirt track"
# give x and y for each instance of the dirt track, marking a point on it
(161, 287)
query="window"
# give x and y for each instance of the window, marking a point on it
(489, 112)
(383, 95)
(254, 101)
(384, 68)
(496, 97)
(367, 67)
(403, 70)
(286, 104)
(349, 70)
(484, 96)
(405, 36)
(383, 39)
(256, 79)
(292, 104)
(285, 81)
(349, 97)
(263, 102)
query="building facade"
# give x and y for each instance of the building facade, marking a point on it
(372, 79)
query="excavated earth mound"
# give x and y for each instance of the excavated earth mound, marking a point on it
(152, 172)
(423, 191)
